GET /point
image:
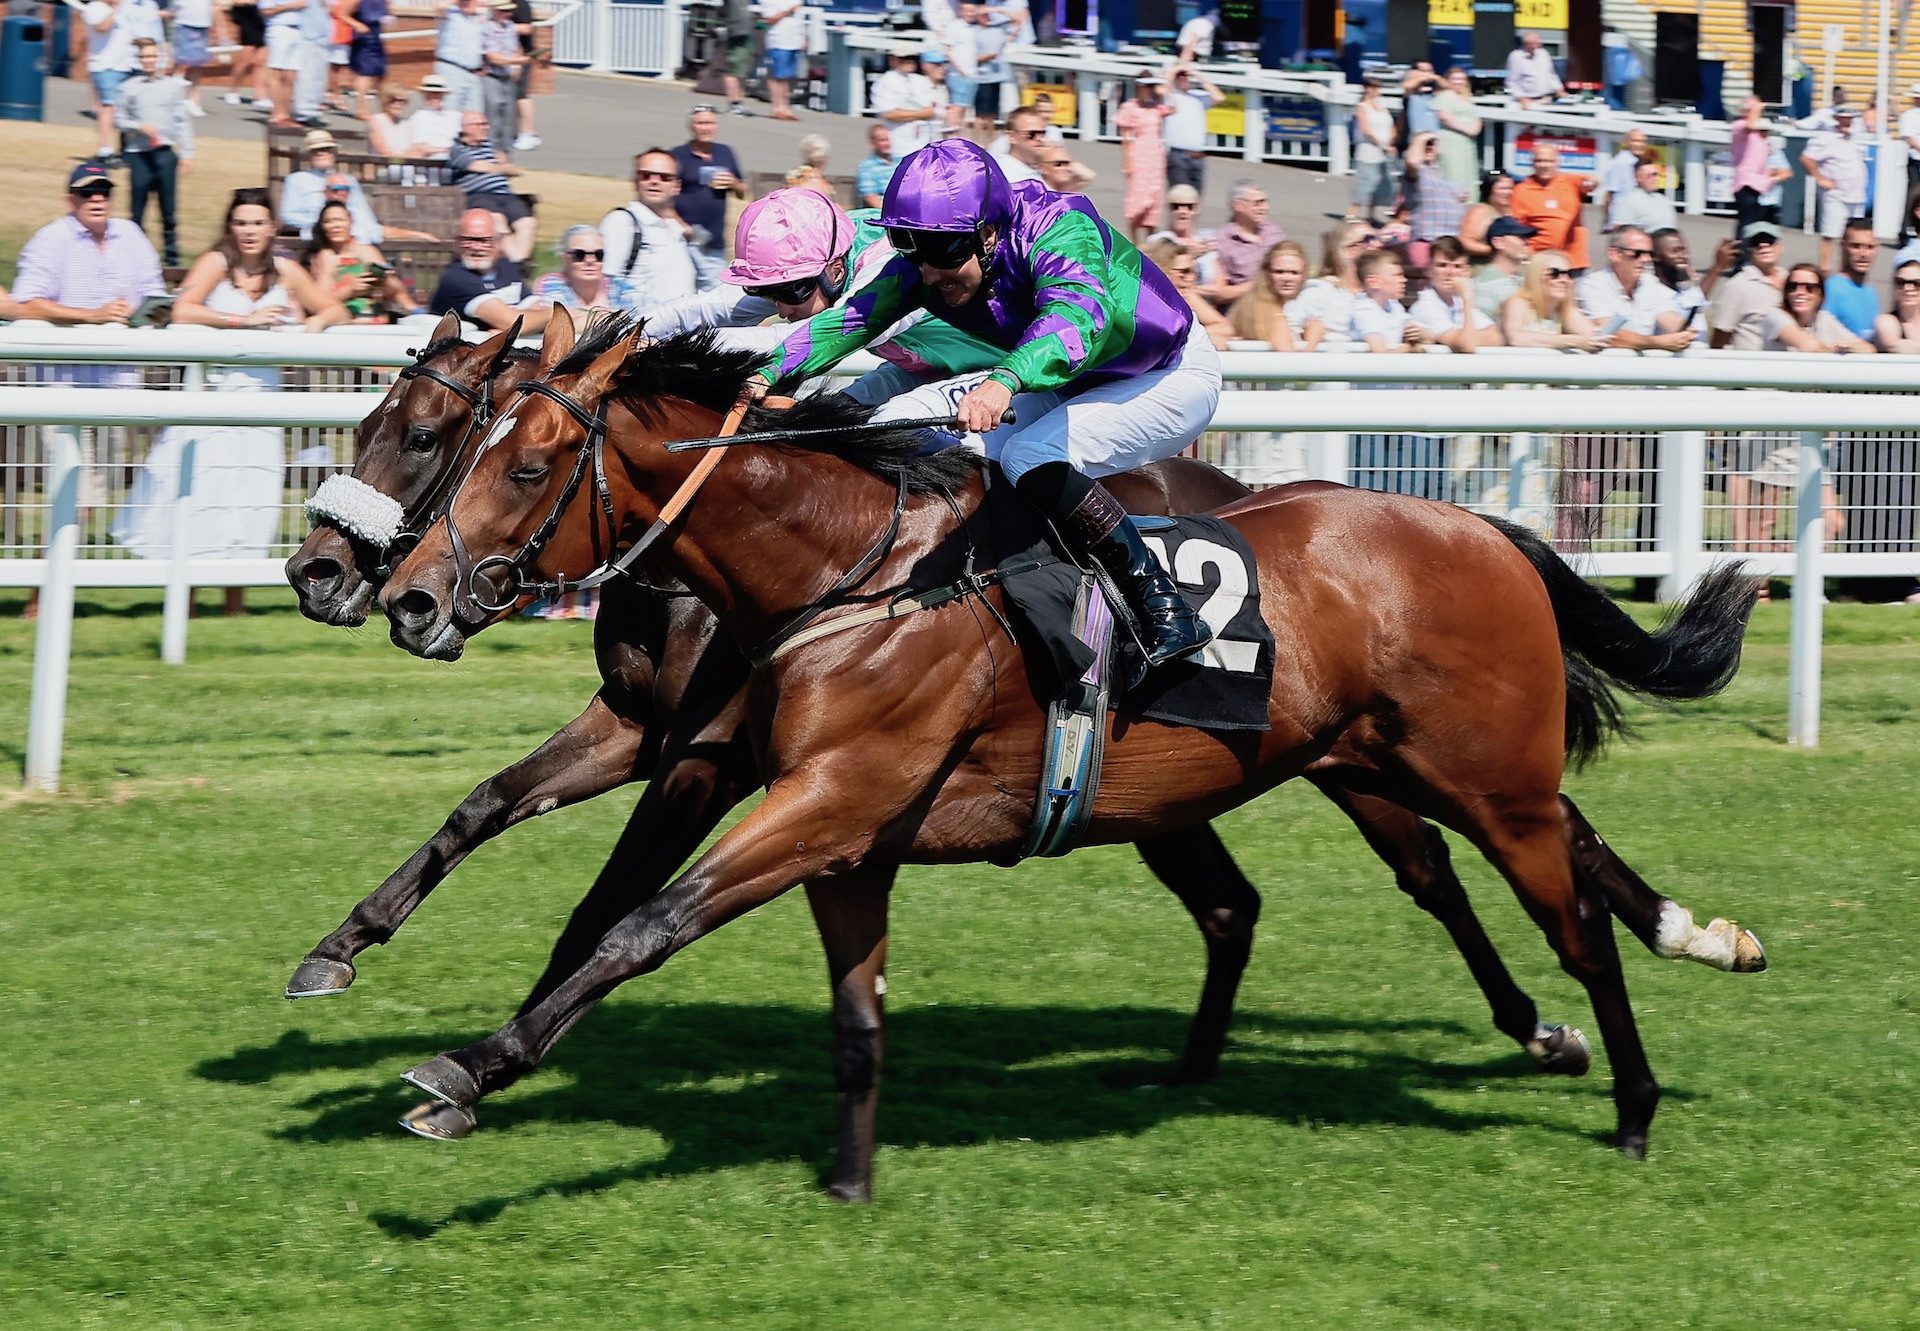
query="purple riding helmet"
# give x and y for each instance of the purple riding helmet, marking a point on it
(949, 189)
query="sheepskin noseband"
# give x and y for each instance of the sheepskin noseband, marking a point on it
(357, 509)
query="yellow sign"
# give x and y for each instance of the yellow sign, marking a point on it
(1549, 14)
(1450, 13)
(1066, 111)
(1228, 116)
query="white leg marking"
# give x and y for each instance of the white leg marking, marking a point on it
(1680, 938)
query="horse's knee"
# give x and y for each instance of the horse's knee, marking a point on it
(857, 1042)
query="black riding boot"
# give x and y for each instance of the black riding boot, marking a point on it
(1092, 520)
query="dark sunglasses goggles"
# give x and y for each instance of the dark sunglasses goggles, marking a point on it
(936, 249)
(795, 292)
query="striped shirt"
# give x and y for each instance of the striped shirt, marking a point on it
(462, 157)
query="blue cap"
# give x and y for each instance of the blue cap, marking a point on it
(88, 173)
(933, 55)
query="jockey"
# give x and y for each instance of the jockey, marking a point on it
(798, 253)
(1099, 354)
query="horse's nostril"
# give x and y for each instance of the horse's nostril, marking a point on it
(319, 575)
(414, 607)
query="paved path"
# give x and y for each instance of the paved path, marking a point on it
(595, 124)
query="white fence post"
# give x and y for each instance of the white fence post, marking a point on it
(1253, 126)
(1086, 94)
(602, 36)
(53, 637)
(178, 606)
(1810, 534)
(1682, 502)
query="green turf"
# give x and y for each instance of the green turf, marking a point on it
(178, 1144)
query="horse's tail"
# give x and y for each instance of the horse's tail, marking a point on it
(1693, 654)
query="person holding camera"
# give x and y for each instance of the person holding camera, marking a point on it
(353, 272)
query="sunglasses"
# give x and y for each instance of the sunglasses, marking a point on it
(338, 189)
(1768, 241)
(656, 175)
(1033, 133)
(1633, 254)
(1182, 270)
(1182, 207)
(945, 250)
(1803, 286)
(476, 240)
(581, 256)
(1907, 283)
(787, 293)
(1559, 274)
(95, 192)
(1059, 161)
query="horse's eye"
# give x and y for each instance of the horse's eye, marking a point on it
(421, 440)
(527, 475)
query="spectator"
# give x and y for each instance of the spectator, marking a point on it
(1435, 206)
(239, 471)
(1849, 297)
(1417, 89)
(1195, 39)
(991, 34)
(192, 22)
(1375, 146)
(156, 128)
(1803, 323)
(501, 61)
(1326, 305)
(1496, 200)
(1459, 131)
(1026, 133)
(1822, 121)
(1183, 225)
(88, 267)
(1264, 314)
(1908, 129)
(1910, 250)
(1626, 300)
(435, 127)
(963, 75)
(1648, 207)
(709, 174)
(249, 56)
(648, 243)
(478, 169)
(583, 282)
(1186, 126)
(1752, 174)
(1617, 178)
(1544, 313)
(316, 56)
(786, 49)
(1447, 309)
(1838, 165)
(1531, 77)
(876, 168)
(1899, 331)
(1737, 314)
(456, 54)
(367, 53)
(355, 274)
(386, 132)
(1177, 262)
(1243, 242)
(1380, 321)
(742, 38)
(285, 55)
(339, 56)
(1498, 281)
(303, 191)
(934, 67)
(811, 173)
(1551, 202)
(1143, 154)
(1060, 172)
(110, 63)
(906, 101)
(1673, 265)
(483, 285)
(527, 140)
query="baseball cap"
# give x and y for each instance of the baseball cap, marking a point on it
(89, 174)
(318, 139)
(1183, 194)
(1754, 230)
(932, 55)
(433, 83)
(1510, 226)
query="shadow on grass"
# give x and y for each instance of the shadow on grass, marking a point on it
(728, 1085)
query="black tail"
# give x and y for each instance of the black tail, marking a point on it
(1693, 654)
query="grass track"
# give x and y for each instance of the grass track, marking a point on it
(180, 1145)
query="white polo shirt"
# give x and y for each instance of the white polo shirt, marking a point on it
(1443, 316)
(1601, 298)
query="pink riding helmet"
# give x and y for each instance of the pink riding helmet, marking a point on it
(790, 234)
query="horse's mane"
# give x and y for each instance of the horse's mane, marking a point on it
(694, 367)
(456, 343)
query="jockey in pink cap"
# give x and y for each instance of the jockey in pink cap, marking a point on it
(797, 253)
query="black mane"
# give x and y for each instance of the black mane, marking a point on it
(694, 367)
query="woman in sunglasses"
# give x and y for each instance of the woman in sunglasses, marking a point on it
(583, 282)
(1544, 313)
(1899, 330)
(1803, 323)
(1110, 367)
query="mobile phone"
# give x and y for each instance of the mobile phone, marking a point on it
(1613, 325)
(154, 312)
(378, 271)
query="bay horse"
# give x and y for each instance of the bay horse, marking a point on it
(1424, 871)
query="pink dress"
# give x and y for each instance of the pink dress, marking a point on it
(1143, 156)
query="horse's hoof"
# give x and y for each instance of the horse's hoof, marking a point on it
(854, 1194)
(1632, 1145)
(440, 1122)
(445, 1080)
(1561, 1050)
(320, 975)
(1749, 958)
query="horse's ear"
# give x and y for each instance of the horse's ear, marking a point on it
(449, 326)
(495, 348)
(558, 340)
(605, 369)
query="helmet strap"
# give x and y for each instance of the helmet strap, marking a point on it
(831, 288)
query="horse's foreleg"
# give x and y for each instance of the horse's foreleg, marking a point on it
(596, 751)
(1663, 924)
(808, 826)
(1423, 869)
(1198, 869)
(851, 912)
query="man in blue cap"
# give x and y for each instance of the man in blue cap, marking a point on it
(1507, 237)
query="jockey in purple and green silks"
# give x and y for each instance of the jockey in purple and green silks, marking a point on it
(1103, 363)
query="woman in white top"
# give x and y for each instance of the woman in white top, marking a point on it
(1262, 314)
(1899, 330)
(1543, 313)
(1325, 305)
(1802, 323)
(239, 472)
(1375, 144)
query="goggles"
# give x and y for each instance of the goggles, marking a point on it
(945, 250)
(787, 293)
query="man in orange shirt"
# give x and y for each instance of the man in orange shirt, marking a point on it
(1550, 203)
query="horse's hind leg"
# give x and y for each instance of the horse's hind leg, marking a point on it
(1199, 870)
(851, 912)
(1663, 924)
(1529, 846)
(1422, 868)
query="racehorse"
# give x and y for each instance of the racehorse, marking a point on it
(1703, 644)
